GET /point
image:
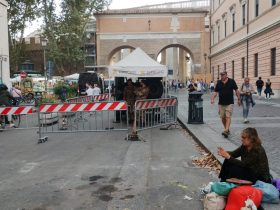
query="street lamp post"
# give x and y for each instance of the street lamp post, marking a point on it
(44, 43)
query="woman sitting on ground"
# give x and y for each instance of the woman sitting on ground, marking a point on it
(253, 165)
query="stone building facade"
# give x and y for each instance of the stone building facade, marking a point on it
(154, 31)
(245, 40)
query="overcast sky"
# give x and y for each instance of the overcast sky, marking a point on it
(116, 4)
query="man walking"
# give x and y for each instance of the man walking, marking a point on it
(225, 88)
(259, 84)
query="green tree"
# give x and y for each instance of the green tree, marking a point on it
(66, 32)
(20, 12)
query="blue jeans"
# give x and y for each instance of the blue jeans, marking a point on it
(259, 89)
(246, 106)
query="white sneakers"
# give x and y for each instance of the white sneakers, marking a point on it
(246, 120)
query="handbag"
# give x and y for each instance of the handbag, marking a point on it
(212, 201)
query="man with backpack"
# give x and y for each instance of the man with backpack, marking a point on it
(259, 84)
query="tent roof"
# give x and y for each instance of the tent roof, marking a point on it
(138, 64)
(72, 76)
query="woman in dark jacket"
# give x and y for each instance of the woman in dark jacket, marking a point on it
(253, 165)
(6, 100)
(268, 90)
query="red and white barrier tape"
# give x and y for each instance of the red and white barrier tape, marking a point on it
(85, 99)
(16, 110)
(155, 103)
(89, 107)
(102, 97)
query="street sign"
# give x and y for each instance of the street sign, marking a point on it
(23, 74)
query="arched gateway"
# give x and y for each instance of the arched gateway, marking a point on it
(155, 30)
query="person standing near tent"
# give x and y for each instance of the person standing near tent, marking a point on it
(142, 92)
(96, 90)
(129, 97)
(89, 90)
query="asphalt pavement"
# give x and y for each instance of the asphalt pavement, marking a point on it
(96, 170)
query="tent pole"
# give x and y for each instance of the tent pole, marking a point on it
(166, 88)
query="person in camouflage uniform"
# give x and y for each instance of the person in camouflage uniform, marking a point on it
(129, 97)
(142, 93)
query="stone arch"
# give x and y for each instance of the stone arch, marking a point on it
(115, 50)
(179, 46)
(182, 71)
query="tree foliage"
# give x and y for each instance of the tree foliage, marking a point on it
(20, 12)
(66, 31)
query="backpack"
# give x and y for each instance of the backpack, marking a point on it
(212, 201)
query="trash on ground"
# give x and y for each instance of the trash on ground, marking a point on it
(207, 161)
(187, 198)
(182, 186)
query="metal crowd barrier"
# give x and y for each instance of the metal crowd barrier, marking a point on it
(86, 99)
(81, 117)
(155, 113)
(23, 117)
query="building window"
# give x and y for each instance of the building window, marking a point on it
(232, 67)
(243, 14)
(218, 33)
(225, 66)
(273, 61)
(233, 22)
(273, 2)
(243, 67)
(225, 28)
(256, 64)
(257, 8)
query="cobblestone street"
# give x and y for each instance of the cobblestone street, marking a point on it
(265, 117)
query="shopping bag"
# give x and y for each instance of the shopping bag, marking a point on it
(212, 201)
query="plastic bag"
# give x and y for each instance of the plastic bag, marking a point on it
(212, 201)
(222, 188)
(270, 193)
(238, 197)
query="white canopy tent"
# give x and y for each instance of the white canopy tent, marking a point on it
(137, 64)
(72, 76)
